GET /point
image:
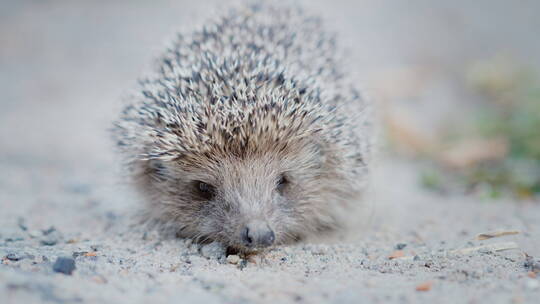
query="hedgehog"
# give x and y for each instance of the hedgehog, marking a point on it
(249, 132)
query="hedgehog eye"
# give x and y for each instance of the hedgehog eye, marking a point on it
(204, 190)
(282, 183)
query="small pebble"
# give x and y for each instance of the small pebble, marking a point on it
(400, 246)
(64, 265)
(233, 259)
(13, 257)
(49, 241)
(48, 230)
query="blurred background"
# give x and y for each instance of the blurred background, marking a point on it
(456, 84)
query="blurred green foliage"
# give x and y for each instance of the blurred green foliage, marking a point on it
(509, 109)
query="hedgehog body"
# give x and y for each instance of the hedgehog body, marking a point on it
(249, 132)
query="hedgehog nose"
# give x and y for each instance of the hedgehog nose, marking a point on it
(257, 234)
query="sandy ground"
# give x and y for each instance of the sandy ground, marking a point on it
(64, 67)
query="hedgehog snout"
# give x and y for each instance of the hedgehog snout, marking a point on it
(257, 234)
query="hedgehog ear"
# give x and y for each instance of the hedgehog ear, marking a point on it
(154, 168)
(147, 173)
(156, 164)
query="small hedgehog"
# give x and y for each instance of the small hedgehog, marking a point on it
(248, 133)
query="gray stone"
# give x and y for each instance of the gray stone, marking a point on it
(400, 246)
(12, 256)
(64, 265)
(49, 241)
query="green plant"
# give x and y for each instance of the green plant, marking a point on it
(509, 110)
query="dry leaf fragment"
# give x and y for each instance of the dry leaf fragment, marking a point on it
(493, 234)
(426, 286)
(397, 254)
(90, 254)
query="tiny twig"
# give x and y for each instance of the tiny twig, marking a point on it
(490, 247)
(493, 234)
(464, 251)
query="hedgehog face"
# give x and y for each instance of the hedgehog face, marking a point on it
(247, 202)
